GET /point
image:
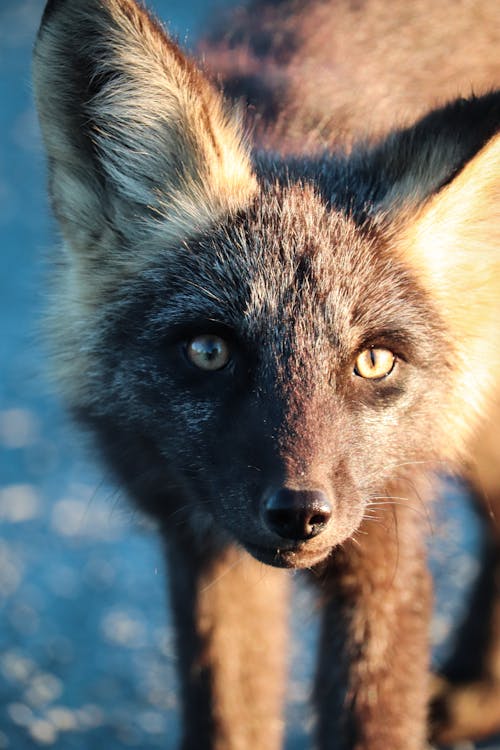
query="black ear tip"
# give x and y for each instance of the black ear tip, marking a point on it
(50, 8)
(55, 6)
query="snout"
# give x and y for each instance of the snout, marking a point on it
(296, 515)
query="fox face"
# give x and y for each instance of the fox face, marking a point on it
(263, 345)
(265, 377)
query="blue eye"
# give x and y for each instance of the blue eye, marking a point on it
(208, 352)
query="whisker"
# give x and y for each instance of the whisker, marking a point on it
(186, 506)
(387, 497)
(224, 573)
(396, 562)
(391, 503)
(424, 506)
(360, 531)
(376, 520)
(443, 465)
(354, 540)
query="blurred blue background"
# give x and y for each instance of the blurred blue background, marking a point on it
(86, 655)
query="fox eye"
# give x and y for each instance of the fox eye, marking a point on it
(208, 352)
(374, 364)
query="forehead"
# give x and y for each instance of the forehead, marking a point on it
(301, 250)
(290, 264)
(301, 260)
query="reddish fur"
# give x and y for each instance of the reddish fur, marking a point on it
(339, 70)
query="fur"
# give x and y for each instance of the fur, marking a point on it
(340, 229)
(320, 73)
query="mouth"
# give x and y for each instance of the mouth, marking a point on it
(295, 558)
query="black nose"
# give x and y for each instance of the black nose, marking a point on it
(297, 514)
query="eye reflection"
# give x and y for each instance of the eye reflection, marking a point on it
(208, 352)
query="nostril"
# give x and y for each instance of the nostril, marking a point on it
(319, 519)
(297, 514)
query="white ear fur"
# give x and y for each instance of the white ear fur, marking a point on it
(454, 248)
(138, 140)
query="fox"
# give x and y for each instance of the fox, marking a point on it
(276, 308)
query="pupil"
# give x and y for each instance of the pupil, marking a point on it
(211, 350)
(208, 352)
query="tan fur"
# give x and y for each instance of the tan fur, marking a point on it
(454, 248)
(240, 632)
(485, 468)
(387, 644)
(473, 712)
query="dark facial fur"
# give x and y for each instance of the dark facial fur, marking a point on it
(300, 259)
(299, 280)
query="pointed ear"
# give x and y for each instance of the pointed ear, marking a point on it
(139, 142)
(414, 163)
(453, 245)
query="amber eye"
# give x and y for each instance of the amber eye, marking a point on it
(374, 364)
(208, 352)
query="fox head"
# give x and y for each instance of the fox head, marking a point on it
(262, 344)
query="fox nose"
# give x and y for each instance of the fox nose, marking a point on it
(297, 514)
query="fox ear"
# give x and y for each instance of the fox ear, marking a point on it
(413, 164)
(453, 245)
(138, 140)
